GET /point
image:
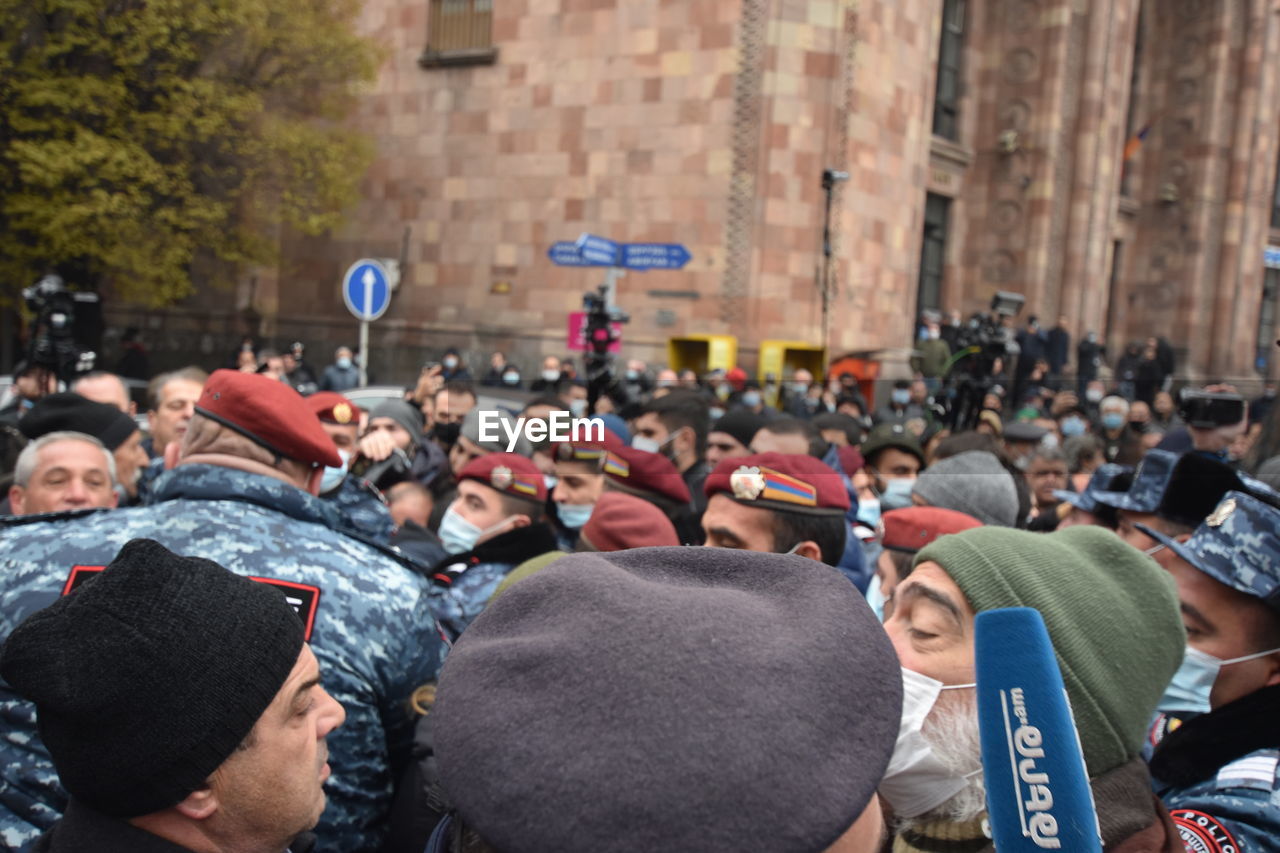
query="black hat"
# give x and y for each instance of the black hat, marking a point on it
(668, 699)
(742, 424)
(148, 676)
(70, 412)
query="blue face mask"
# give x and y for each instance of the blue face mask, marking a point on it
(1073, 426)
(875, 597)
(574, 516)
(901, 396)
(511, 378)
(344, 363)
(1113, 420)
(458, 535)
(869, 513)
(1189, 691)
(751, 399)
(333, 477)
(551, 480)
(897, 493)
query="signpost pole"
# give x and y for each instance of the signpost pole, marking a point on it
(364, 353)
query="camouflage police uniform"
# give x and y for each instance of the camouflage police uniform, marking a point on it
(364, 507)
(366, 610)
(463, 583)
(1219, 773)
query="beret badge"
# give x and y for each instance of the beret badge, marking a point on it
(747, 483)
(1222, 513)
(342, 413)
(501, 478)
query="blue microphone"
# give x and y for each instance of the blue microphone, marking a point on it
(1038, 795)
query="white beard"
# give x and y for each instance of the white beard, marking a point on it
(952, 730)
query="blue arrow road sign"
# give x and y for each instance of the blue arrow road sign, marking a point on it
(598, 250)
(654, 256)
(567, 255)
(365, 290)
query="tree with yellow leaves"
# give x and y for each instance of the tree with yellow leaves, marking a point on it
(158, 145)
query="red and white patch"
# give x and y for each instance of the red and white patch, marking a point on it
(303, 598)
(1203, 833)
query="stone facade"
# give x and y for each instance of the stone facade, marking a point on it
(709, 123)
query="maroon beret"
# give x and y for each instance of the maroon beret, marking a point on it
(591, 452)
(510, 473)
(851, 459)
(645, 474)
(269, 413)
(333, 408)
(620, 521)
(912, 528)
(785, 482)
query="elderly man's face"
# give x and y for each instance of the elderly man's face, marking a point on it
(68, 475)
(273, 788)
(169, 420)
(931, 626)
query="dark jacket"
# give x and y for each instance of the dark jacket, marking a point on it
(82, 829)
(1059, 349)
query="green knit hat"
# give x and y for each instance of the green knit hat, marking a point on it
(1111, 611)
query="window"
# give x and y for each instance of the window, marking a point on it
(460, 32)
(1134, 133)
(946, 103)
(933, 253)
(1266, 344)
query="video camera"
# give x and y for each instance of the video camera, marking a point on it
(1209, 409)
(600, 335)
(53, 345)
(981, 341)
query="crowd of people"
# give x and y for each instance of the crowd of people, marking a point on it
(274, 620)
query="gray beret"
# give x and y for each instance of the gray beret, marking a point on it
(471, 431)
(974, 483)
(669, 699)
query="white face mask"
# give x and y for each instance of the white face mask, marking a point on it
(578, 407)
(551, 375)
(333, 477)
(458, 535)
(917, 780)
(875, 597)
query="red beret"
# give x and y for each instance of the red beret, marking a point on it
(269, 413)
(851, 459)
(333, 408)
(645, 474)
(912, 528)
(784, 482)
(510, 473)
(621, 521)
(586, 451)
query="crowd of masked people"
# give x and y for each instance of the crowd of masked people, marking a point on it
(274, 620)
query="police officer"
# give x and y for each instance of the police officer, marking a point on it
(1216, 750)
(493, 525)
(779, 503)
(357, 498)
(242, 492)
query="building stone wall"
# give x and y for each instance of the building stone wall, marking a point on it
(709, 123)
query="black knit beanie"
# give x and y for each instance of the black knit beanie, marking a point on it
(70, 412)
(148, 676)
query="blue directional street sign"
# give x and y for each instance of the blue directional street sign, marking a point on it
(567, 255)
(654, 256)
(365, 290)
(598, 250)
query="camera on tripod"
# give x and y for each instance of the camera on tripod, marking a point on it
(981, 342)
(54, 345)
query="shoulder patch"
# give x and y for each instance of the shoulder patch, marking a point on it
(1203, 833)
(303, 598)
(1256, 771)
(1163, 726)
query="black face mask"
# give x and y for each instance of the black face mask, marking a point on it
(446, 434)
